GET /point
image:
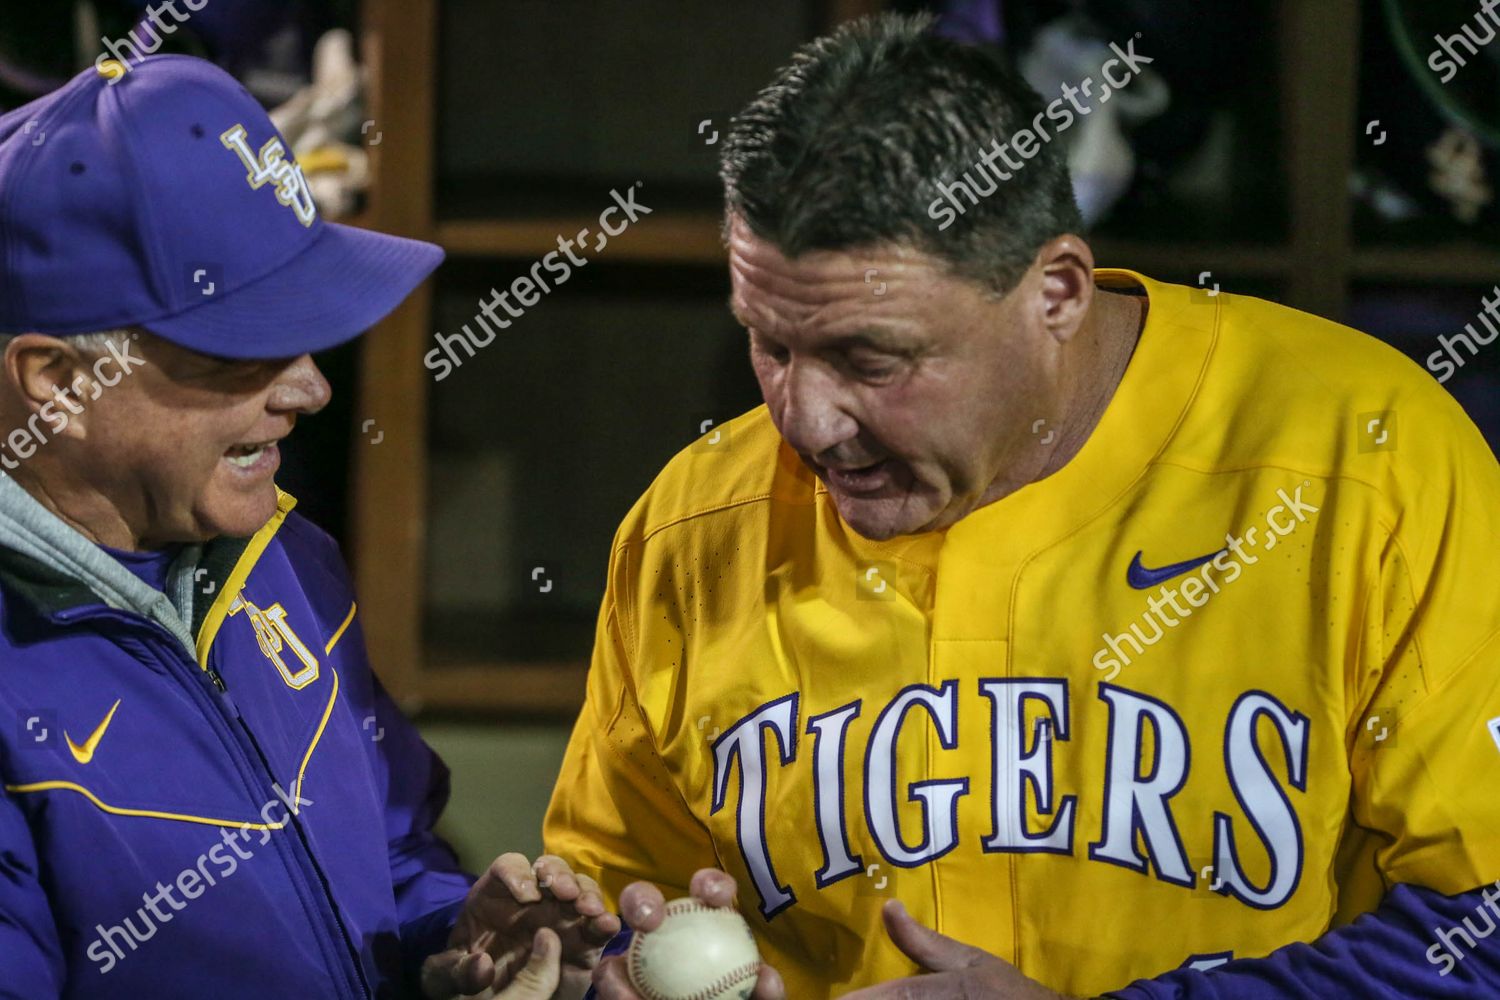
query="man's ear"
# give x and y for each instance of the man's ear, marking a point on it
(1066, 267)
(43, 370)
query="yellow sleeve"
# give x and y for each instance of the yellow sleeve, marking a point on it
(1426, 745)
(617, 813)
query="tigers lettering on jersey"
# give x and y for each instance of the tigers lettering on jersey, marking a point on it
(1137, 801)
(921, 718)
(272, 164)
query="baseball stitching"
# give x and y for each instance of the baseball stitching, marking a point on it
(676, 908)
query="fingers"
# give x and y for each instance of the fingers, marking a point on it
(612, 982)
(643, 906)
(455, 973)
(642, 903)
(514, 872)
(768, 985)
(603, 924)
(538, 979)
(929, 949)
(713, 887)
(554, 875)
(590, 901)
(515, 896)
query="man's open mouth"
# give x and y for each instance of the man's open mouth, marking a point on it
(865, 479)
(245, 456)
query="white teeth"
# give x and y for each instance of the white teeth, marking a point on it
(245, 461)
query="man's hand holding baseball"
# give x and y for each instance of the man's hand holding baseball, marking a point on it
(951, 969)
(644, 908)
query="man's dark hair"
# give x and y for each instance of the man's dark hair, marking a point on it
(848, 144)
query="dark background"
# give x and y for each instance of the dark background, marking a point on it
(539, 444)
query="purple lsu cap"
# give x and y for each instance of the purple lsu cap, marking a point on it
(160, 195)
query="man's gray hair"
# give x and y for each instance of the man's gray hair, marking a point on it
(89, 343)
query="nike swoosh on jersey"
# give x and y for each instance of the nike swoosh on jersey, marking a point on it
(84, 754)
(1141, 578)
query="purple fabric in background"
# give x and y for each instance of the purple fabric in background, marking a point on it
(233, 29)
(1412, 319)
(973, 22)
(23, 80)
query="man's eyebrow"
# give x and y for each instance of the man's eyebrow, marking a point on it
(879, 340)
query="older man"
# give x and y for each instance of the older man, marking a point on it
(205, 790)
(1116, 630)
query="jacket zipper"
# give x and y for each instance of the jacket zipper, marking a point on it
(295, 823)
(210, 684)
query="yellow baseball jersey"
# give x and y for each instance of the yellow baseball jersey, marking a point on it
(1211, 688)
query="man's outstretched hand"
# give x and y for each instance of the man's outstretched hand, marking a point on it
(954, 971)
(951, 970)
(530, 931)
(644, 908)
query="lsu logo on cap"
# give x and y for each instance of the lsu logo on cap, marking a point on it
(271, 164)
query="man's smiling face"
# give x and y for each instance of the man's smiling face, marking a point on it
(185, 448)
(910, 393)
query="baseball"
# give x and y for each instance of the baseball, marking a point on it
(698, 953)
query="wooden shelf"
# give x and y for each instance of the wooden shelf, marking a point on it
(680, 238)
(1453, 263)
(549, 690)
(694, 238)
(1315, 264)
(1249, 261)
(388, 485)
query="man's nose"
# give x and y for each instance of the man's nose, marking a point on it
(300, 387)
(813, 416)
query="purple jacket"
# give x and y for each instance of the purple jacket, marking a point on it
(253, 821)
